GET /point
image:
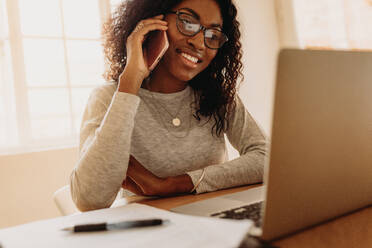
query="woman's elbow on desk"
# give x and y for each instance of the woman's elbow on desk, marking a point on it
(84, 205)
(87, 201)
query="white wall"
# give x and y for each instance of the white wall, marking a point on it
(28, 181)
(260, 46)
(286, 23)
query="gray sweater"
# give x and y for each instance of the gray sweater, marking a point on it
(116, 125)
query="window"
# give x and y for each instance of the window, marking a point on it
(50, 60)
(339, 24)
(7, 104)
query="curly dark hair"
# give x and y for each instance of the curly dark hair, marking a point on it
(215, 87)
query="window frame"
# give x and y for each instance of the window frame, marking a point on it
(24, 141)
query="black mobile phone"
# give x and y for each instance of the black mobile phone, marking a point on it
(156, 44)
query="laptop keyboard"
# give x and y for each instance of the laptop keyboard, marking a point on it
(251, 211)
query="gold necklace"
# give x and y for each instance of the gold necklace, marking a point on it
(162, 121)
(175, 120)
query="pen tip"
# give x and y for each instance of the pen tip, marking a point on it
(166, 222)
(67, 229)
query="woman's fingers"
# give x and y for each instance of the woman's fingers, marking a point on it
(155, 23)
(147, 25)
(142, 177)
(152, 20)
(142, 29)
(161, 16)
(128, 184)
(135, 41)
(150, 23)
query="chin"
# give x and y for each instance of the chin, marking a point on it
(184, 78)
(179, 71)
(183, 75)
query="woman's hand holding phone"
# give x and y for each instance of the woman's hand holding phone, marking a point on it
(137, 69)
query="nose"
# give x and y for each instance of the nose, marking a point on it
(197, 41)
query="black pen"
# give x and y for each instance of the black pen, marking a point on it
(115, 226)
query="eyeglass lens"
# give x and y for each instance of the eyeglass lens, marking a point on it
(189, 25)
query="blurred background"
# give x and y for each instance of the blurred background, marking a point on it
(51, 58)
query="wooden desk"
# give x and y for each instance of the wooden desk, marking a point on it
(349, 231)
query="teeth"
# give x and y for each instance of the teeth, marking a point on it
(189, 57)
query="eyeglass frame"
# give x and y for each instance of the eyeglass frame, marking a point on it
(202, 28)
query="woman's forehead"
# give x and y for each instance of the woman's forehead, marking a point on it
(208, 11)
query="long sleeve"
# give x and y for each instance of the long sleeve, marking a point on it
(105, 140)
(246, 137)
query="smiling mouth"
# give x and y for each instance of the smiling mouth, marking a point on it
(189, 57)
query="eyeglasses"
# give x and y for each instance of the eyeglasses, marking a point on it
(189, 25)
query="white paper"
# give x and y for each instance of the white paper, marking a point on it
(182, 231)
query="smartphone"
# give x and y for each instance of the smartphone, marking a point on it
(156, 44)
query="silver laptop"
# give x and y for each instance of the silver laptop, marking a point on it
(320, 164)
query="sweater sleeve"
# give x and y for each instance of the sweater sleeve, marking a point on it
(246, 137)
(105, 139)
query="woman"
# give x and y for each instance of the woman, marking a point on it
(161, 133)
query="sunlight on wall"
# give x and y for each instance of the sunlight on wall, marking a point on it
(342, 24)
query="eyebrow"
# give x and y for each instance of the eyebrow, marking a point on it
(214, 25)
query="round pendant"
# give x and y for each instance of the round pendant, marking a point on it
(176, 122)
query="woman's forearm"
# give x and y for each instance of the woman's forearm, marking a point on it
(104, 154)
